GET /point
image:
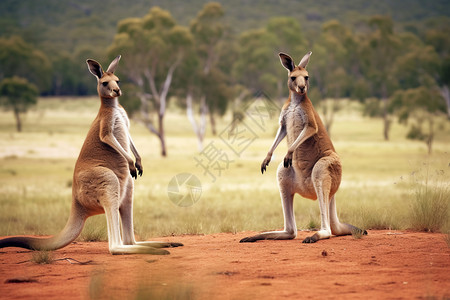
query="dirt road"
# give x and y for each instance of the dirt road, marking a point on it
(382, 265)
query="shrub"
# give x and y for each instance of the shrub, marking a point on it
(431, 203)
(42, 257)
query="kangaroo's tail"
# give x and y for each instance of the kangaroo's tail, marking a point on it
(70, 232)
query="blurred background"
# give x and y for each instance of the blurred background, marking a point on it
(191, 71)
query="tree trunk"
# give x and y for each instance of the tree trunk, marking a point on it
(430, 134)
(161, 135)
(328, 123)
(445, 92)
(199, 129)
(161, 102)
(212, 120)
(386, 127)
(18, 120)
(328, 115)
(386, 120)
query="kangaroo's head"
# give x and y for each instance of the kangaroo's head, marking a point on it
(107, 82)
(298, 76)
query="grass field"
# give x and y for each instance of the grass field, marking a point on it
(383, 182)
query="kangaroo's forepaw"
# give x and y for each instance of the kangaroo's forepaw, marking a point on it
(264, 164)
(288, 160)
(139, 168)
(133, 172)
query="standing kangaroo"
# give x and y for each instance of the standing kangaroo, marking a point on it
(103, 177)
(311, 166)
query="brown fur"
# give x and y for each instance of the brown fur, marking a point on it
(311, 167)
(103, 177)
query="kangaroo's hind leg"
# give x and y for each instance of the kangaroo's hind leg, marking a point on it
(338, 228)
(325, 177)
(286, 178)
(107, 195)
(126, 215)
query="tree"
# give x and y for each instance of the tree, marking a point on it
(154, 47)
(208, 32)
(18, 95)
(438, 36)
(423, 105)
(333, 67)
(257, 67)
(254, 68)
(288, 38)
(18, 58)
(378, 53)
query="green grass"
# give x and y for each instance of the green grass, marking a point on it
(36, 169)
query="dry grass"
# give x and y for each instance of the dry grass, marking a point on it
(430, 209)
(36, 169)
(42, 257)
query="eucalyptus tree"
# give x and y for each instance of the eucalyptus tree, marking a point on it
(153, 47)
(419, 100)
(209, 32)
(17, 94)
(335, 68)
(378, 53)
(257, 67)
(21, 59)
(424, 106)
(438, 36)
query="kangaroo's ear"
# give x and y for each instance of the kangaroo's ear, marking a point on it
(113, 65)
(287, 61)
(95, 68)
(304, 62)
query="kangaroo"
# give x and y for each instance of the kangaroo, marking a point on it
(103, 178)
(311, 166)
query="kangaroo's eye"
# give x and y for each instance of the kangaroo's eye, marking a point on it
(306, 77)
(293, 78)
(105, 83)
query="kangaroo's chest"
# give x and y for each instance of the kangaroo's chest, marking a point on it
(120, 128)
(295, 119)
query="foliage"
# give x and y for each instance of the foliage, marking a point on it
(257, 67)
(209, 83)
(153, 47)
(334, 68)
(18, 95)
(358, 51)
(424, 104)
(21, 59)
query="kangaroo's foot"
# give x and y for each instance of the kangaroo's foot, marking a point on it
(346, 229)
(159, 244)
(137, 249)
(323, 234)
(357, 230)
(273, 235)
(319, 235)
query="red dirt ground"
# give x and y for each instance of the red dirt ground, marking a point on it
(382, 265)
